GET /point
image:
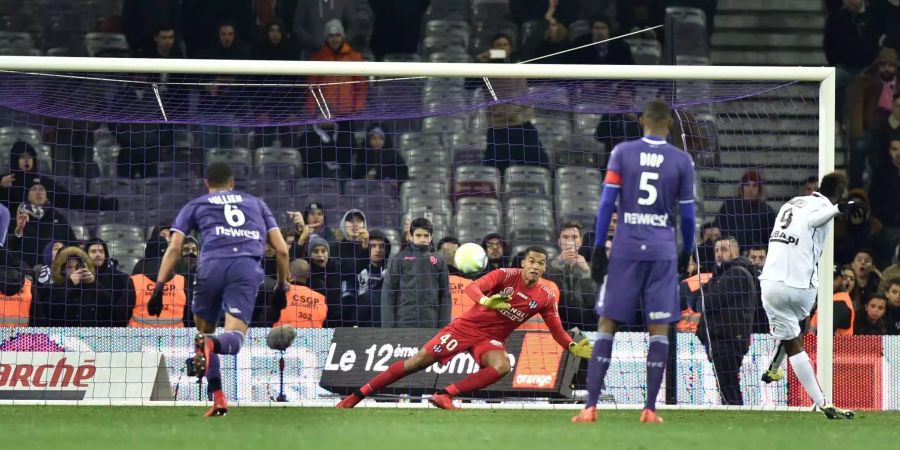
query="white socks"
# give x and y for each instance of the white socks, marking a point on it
(804, 370)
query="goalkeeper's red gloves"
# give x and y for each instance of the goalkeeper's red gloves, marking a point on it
(155, 305)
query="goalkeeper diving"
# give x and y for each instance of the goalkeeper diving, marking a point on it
(506, 298)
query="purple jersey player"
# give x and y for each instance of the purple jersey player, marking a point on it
(234, 227)
(648, 176)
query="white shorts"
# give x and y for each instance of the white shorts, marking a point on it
(786, 307)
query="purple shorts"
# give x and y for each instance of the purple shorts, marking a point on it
(651, 286)
(227, 286)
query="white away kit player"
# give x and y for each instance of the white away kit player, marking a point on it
(790, 276)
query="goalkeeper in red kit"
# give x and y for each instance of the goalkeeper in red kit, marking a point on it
(506, 298)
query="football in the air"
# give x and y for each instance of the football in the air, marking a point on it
(470, 258)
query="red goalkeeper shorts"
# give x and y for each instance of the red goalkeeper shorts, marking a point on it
(451, 341)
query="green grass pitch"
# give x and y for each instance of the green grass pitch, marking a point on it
(163, 428)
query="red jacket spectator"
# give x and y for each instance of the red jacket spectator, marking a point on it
(340, 96)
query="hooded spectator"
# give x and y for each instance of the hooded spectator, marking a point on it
(37, 223)
(748, 217)
(49, 254)
(275, 44)
(884, 188)
(497, 251)
(353, 240)
(378, 159)
(74, 299)
(343, 98)
(313, 19)
(153, 252)
(362, 286)
(25, 169)
(325, 278)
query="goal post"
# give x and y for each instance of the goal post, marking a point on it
(386, 71)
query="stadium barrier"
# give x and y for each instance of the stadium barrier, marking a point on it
(310, 363)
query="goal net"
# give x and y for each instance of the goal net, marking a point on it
(103, 154)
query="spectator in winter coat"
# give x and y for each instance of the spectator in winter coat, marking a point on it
(747, 217)
(416, 288)
(729, 309)
(572, 275)
(378, 159)
(37, 224)
(325, 278)
(497, 251)
(275, 44)
(109, 278)
(228, 45)
(342, 98)
(870, 101)
(612, 52)
(872, 321)
(24, 170)
(884, 188)
(74, 299)
(363, 283)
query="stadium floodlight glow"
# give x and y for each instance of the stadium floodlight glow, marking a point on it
(47, 80)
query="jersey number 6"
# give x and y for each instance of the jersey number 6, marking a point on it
(234, 216)
(650, 189)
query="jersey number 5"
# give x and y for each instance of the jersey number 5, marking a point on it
(234, 216)
(786, 218)
(645, 186)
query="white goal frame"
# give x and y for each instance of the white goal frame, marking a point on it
(825, 76)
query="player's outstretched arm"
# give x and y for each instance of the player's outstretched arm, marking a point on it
(581, 349)
(605, 211)
(276, 240)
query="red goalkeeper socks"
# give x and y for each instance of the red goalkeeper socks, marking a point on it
(391, 375)
(484, 377)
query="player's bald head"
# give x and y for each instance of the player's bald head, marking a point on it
(219, 175)
(658, 112)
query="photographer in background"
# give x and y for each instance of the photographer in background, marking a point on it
(859, 229)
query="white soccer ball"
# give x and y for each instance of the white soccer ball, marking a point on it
(470, 258)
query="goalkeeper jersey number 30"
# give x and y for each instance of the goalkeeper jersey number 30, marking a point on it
(797, 239)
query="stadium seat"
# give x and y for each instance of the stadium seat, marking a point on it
(429, 157)
(690, 31)
(529, 212)
(444, 124)
(120, 232)
(646, 51)
(440, 173)
(547, 125)
(97, 43)
(531, 236)
(449, 57)
(446, 44)
(410, 141)
(474, 234)
(578, 29)
(270, 188)
(488, 207)
(402, 57)
(446, 9)
(444, 27)
(393, 235)
(582, 209)
(109, 186)
(476, 181)
(578, 175)
(371, 188)
(277, 162)
(490, 10)
(316, 186)
(526, 180)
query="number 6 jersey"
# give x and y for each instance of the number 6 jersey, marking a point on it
(231, 224)
(652, 176)
(796, 242)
